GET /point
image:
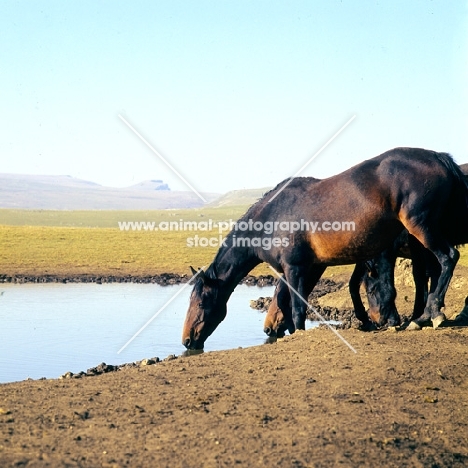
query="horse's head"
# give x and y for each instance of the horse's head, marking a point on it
(275, 321)
(206, 311)
(278, 321)
(381, 295)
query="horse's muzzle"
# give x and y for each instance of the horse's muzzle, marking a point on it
(394, 321)
(192, 344)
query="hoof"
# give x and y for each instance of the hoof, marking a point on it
(367, 327)
(438, 320)
(413, 326)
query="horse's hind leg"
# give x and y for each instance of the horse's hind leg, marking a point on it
(435, 300)
(419, 256)
(447, 256)
(301, 282)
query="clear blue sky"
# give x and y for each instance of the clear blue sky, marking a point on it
(235, 94)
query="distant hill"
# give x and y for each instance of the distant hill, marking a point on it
(240, 197)
(150, 185)
(68, 193)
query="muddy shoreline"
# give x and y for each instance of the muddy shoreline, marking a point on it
(164, 279)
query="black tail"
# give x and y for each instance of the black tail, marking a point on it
(447, 161)
(455, 218)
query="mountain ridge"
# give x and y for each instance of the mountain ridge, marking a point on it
(63, 192)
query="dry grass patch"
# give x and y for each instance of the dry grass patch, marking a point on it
(66, 251)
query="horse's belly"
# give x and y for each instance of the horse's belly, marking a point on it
(339, 248)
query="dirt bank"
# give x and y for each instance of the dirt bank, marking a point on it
(307, 400)
(163, 279)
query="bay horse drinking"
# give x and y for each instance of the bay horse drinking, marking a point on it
(420, 190)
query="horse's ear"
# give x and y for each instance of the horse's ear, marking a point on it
(199, 274)
(202, 276)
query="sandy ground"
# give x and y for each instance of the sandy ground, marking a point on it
(305, 401)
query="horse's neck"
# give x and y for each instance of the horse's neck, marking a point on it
(232, 264)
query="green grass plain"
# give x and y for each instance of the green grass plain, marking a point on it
(72, 243)
(110, 219)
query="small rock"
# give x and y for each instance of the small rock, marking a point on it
(101, 369)
(147, 362)
(67, 375)
(428, 399)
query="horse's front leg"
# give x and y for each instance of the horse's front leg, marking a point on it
(301, 281)
(355, 282)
